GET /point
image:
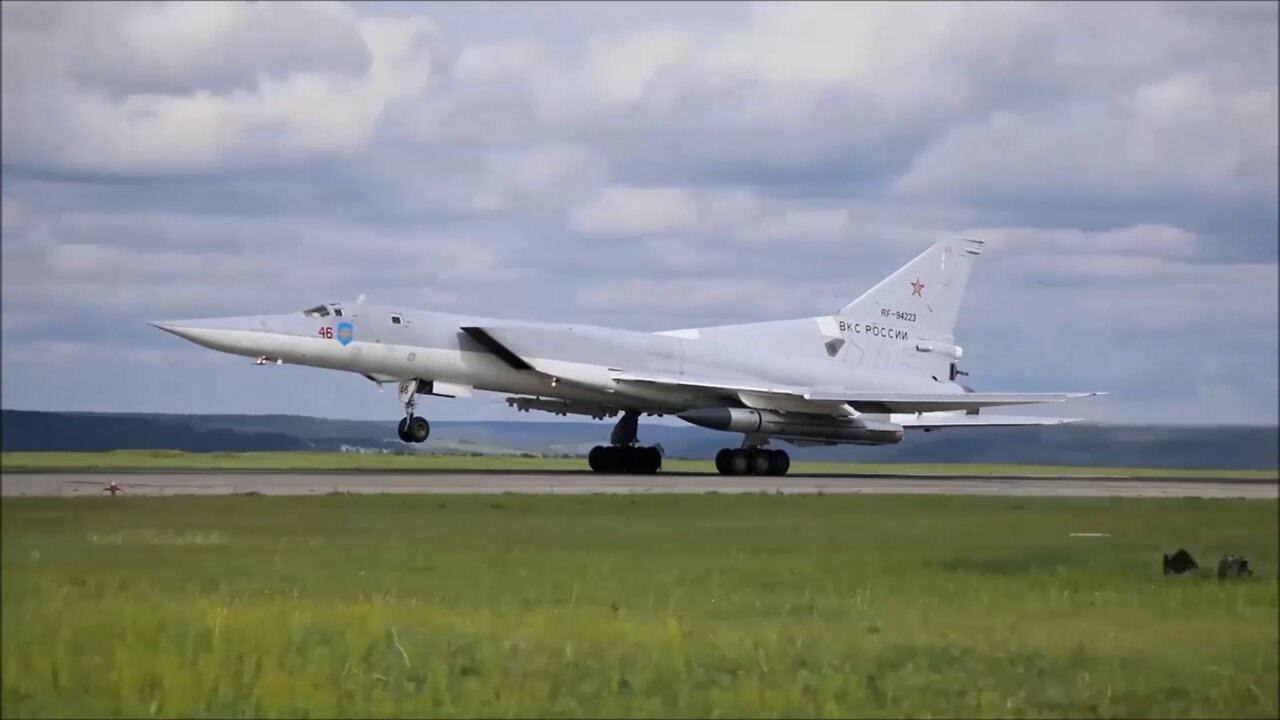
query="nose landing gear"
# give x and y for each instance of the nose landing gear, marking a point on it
(413, 428)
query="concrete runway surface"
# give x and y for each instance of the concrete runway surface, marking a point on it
(81, 484)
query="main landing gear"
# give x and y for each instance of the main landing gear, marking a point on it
(625, 459)
(752, 461)
(413, 428)
(623, 454)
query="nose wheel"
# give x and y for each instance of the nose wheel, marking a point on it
(752, 461)
(413, 428)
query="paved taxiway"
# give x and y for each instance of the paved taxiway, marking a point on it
(72, 484)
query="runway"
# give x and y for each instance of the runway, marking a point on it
(82, 484)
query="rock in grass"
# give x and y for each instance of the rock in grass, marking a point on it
(1233, 566)
(1179, 563)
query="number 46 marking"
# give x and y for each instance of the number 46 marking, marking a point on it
(326, 333)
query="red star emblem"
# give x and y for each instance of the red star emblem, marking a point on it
(916, 287)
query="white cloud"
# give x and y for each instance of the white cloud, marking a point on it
(545, 169)
(706, 295)
(12, 320)
(801, 226)
(171, 265)
(623, 211)
(886, 51)
(166, 48)
(1157, 241)
(1191, 298)
(1187, 134)
(683, 255)
(146, 107)
(67, 354)
(624, 67)
(13, 215)
(518, 60)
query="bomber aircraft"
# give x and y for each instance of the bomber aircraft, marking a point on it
(884, 364)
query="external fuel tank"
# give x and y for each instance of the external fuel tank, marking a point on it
(796, 426)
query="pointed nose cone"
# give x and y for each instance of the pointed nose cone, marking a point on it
(234, 335)
(172, 326)
(201, 332)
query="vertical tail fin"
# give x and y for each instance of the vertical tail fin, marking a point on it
(927, 291)
(909, 318)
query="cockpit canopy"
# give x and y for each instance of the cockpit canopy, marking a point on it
(325, 310)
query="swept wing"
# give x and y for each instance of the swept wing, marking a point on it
(863, 401)
(519, 347)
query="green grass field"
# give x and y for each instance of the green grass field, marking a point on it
(606, 606)
(175, 460)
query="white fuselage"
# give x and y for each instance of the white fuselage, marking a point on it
(573, 362)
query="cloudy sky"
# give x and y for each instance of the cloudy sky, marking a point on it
(648, 165)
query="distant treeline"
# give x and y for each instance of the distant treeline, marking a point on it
(75, 432)
(1242, 447)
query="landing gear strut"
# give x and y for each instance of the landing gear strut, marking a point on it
(413, 428)
(752, 461)
(623, 454)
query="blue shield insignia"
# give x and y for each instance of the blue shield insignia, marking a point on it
(345, 332)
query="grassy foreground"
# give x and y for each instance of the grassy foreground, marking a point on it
(704, 605)
(176, 460)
